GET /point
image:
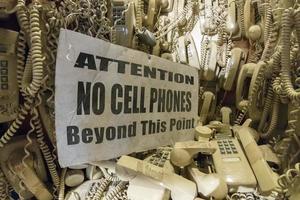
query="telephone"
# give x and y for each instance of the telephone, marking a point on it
(248, 74)
(151, 15)
(266, 178)
(226, 113)
(232, 67)
(210, 65)
(232, 26)
(124, 20)
(187, 52)
(208, 25)
(208, 102)
(7, 7)
(31, 172)
(128, 168)
(231, 163)
(9, 92)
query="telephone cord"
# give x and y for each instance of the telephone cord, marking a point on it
(61, 194)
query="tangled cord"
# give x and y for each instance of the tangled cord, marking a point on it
(289, 178)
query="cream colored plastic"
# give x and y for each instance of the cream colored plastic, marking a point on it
(181, 49)
(209, 185)
(93, 172)
(267, 179)
(183, 152)
(232, 26)
(203, 133)
(226, 113)
(231, 163)
(208, 98)
(74, 177)
(211, 61)
(181, 189)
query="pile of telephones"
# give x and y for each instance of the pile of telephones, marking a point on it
(247, 141)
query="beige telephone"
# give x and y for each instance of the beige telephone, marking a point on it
(232, 24)
(7, 7)
(266, 178)
(31, 172)
(231, 163)
(210, 65)
(151, 16)
(237, 58)
(124, 20)
(247, 76)
(208, 102)
(128, 168)
(9, 92)
(187, 52)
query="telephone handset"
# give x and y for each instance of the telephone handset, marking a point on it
(9, 92)
(151, 16)
(7, 7)
(232, 26)
(128, 168)
(210, 65)
(208, 102)
(237, 58)
(35, 166)
(266, 178)
(187, 52)
(124, 20)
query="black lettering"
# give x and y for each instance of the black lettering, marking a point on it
(98, 99)
(116, 91)
(135, 108)
(176, 104)
(188, 106)
(182, 101)
(169, 103)
(161, 100)
(72, 135)
(87, 135)
(127, 99)
(163, 127)
(144, 126)
(83, 98)
(121, 66)
(110, 133)
(99, 132)
(85, 59)
(162, 74)
(179, 78)
(142, 102)
(149, 72)
(104, 63)
(136, 69)
(153, 98)
(189, 80)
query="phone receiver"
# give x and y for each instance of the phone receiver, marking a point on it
(192, 54)
(208, 99)
(246, 72)
(232, 26)
(9, 92)
(150, 18)
(236, 59)
(166, 5)
(182, 51)
(124, 24)
(211, 61)
(128, 168)
(209, 185)
(249, 16)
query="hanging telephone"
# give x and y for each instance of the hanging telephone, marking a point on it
(124, 19)
(232, 26)
(9, 92)
(208, 25)
(210, 65)
(232, 67)
(33, 173)
(151, 16)
(231, 163)
(192, 53)
(208, 105)
(182, 51)
(7, 7)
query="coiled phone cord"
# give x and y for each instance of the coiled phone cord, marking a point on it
(61, 194)
(240, 10)
(285, 57)
(36, 53)
(116, 191)
(289, 178)
(27, 74)
(15, 125)
(268, 20)
(45, 149)
(3, 187)
(23, 17)
(100, 187)
(21, 44)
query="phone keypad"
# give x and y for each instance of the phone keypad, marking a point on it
(227, 147)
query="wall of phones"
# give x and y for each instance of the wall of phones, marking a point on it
(247, 53)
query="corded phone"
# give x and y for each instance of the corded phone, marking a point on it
(210, 66)
(9, 93)
(123, 18)
(208, 104)
(232, 26)
(153, 8)
(232, 67)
